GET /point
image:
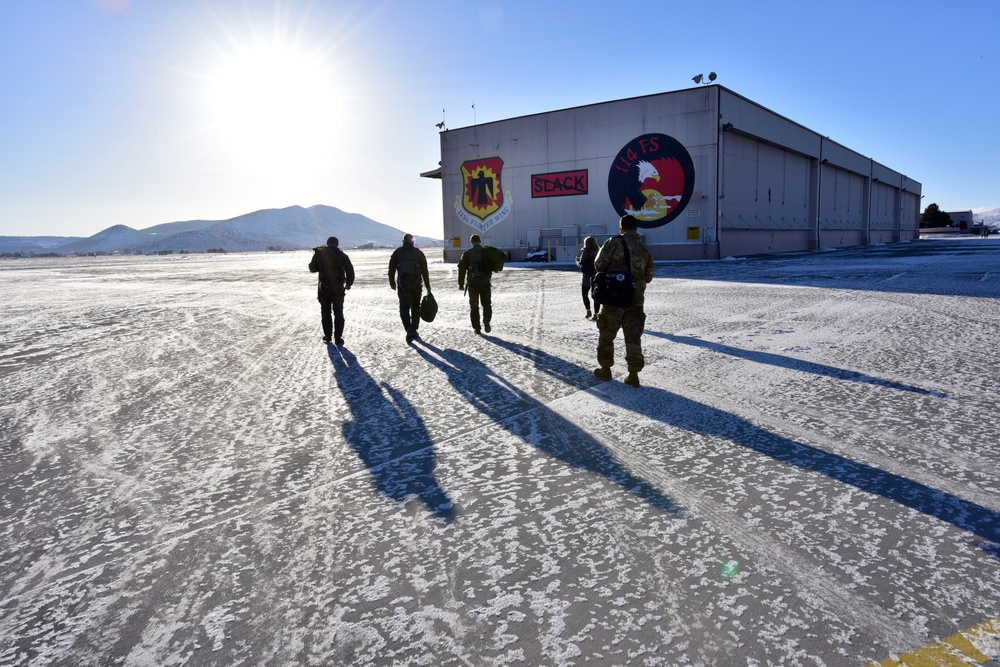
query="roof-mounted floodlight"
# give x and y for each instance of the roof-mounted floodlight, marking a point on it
(712, 76)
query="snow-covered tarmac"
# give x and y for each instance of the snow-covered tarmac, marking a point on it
(809, 474)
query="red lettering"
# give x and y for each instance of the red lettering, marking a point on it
(559, 184)
(649, 144)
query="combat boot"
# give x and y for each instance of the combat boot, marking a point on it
(602, 373)
(633, 379)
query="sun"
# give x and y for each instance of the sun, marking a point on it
(274, 107)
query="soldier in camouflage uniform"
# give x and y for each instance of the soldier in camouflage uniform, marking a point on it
(480, 289)
(632, 319)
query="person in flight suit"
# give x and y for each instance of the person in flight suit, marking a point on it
(632, 319)
(480, 289)
(336, 275)
(410, 264)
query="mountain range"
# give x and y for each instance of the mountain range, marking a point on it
(291, 228)
(990, 218)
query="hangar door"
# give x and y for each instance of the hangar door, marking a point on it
(842, 203)
(884, 206)
(764, 187)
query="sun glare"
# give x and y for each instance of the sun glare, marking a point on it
(275, 109)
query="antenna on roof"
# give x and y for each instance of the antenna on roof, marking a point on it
(441, 125)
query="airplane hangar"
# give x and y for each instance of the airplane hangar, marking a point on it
(708, 174)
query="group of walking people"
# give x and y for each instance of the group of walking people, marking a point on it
(408, 275)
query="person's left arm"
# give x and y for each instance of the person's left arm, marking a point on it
(424, 272)
(348, 272)
(648, 270)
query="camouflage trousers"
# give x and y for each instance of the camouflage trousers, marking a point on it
(631, 321)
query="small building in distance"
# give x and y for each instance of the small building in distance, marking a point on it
(961, 219)
(707, 172)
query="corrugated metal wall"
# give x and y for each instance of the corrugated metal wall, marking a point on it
(762, 183)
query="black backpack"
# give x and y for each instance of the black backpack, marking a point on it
(408, 266)
(332, 275)
(492, 260)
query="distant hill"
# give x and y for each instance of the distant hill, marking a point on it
(991, 217)
(291, 228)
(168, 228)
(33, 244)
(113, 239)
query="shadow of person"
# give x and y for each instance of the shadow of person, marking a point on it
(553, 366)
(794, 364)
(534, 423)
(389, 437)
(675, 410)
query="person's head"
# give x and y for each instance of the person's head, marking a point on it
(407, 238)
(333, 242)
(590, 243)
(628, 223)
(475, 240)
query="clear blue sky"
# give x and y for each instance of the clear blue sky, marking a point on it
(140, 112)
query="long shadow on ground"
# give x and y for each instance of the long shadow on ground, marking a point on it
(794, 364)
(542, 428)
(681, 412)
(389, 437)
(675, 410)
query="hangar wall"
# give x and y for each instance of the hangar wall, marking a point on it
(708, 173)
(785, 187)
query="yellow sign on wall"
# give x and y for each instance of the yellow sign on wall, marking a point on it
(694, 233)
